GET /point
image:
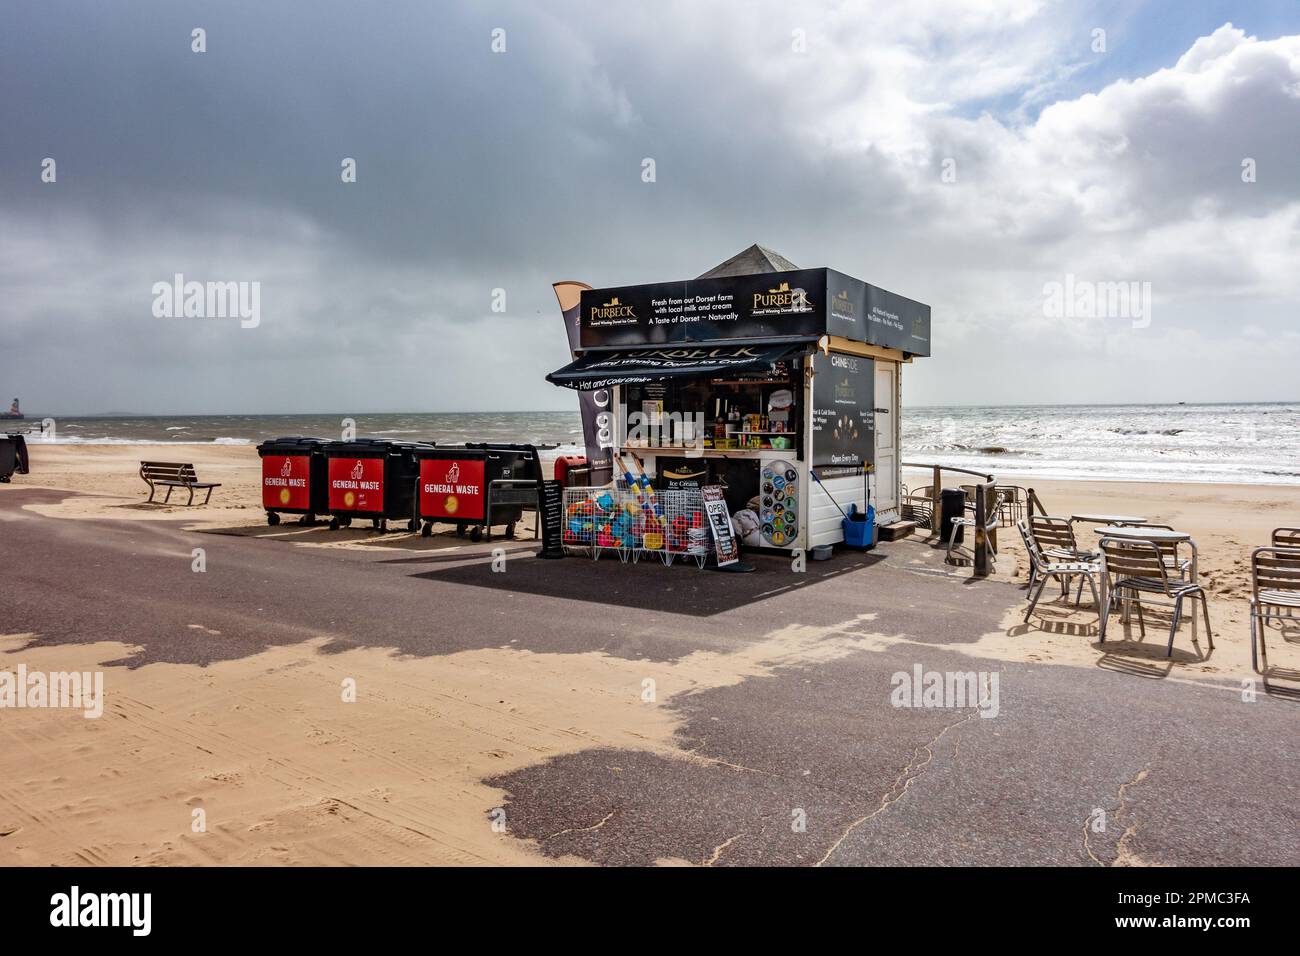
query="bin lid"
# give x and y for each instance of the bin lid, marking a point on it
(371, 448)
(450, 451)
(288, 443)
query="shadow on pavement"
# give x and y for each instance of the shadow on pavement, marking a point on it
(648, 585)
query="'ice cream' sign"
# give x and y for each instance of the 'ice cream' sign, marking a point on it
(451, 488)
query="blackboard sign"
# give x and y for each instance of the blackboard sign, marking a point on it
(551, 501)
(715, 508)
(844, 410)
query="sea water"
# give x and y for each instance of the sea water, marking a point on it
(1254, 443)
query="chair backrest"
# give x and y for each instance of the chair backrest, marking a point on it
(1286, 537)
(168, 471)
(1012, 493)
(1130, 558)
(1052, 532)
(1274, 569)
(1031, 546)
(1168, 549)
(995, 500)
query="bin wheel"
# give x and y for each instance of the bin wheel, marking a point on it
(510, 530)
(272, 518)
(334, 524)
(426, 531)
(460, 531)
(345, 521)
(379, 524)
(476, 533)
(412, 525)
(308, 520)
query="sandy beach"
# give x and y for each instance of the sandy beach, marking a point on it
(1227, 521)
(225, 703)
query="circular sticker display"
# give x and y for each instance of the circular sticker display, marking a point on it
(780, 503)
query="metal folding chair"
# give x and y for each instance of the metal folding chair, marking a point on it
(1135, 572)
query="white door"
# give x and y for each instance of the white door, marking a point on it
(884, 491)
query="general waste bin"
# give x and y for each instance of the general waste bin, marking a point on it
(372, 478)
(475, 486)
(952, 504)
(13, 456)
(295, 478)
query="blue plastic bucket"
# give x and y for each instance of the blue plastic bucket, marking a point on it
(859, 529)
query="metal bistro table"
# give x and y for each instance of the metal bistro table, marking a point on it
(1157, 535)
(1110, 520)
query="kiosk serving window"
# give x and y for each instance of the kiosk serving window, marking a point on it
(756, 410)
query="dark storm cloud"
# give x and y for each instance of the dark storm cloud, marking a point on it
(479, 171)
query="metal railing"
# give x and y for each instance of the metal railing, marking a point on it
(983, 540)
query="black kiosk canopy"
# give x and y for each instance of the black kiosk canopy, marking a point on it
(798, 305)
(602, 369)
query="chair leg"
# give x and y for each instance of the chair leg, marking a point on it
(169, 494)
(1205, 607)
(1173, 627)
(1034, 602)
(1096, 598)
(1105, 614)
(1263, 645)
(1254, 650)
(1142, 624)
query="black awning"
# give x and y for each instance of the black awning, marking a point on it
(633, 366)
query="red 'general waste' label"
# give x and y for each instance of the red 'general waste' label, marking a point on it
(451, 488)
(356, 484)
(286, 482)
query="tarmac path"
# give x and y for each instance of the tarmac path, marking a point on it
(806, 763)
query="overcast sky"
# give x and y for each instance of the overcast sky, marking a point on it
(822, 130)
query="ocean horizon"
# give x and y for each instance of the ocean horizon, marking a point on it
(1244, 442)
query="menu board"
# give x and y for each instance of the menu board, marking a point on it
(552, 505)
(844, 410)
(724, 542)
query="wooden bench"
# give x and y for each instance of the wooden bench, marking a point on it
(171, 474)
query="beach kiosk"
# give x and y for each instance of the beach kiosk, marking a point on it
(779, 384)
